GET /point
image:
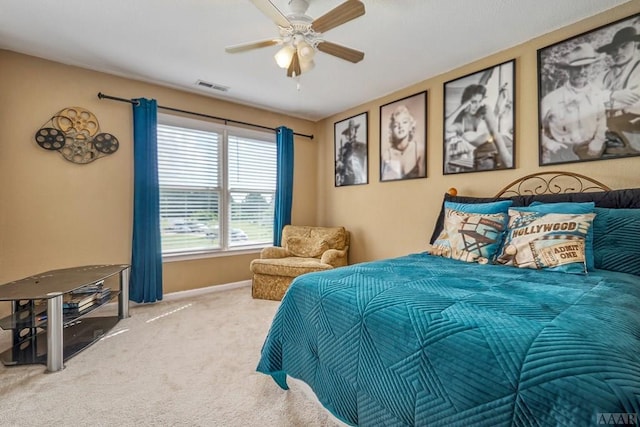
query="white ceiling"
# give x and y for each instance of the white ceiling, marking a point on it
(177, 42)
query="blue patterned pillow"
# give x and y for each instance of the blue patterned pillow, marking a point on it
(553, 241)
(470, 237)
(561, 207)
(616, 240)
(480, 208)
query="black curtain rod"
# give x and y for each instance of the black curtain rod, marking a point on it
(133, 101)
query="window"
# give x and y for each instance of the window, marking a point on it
(217, 186)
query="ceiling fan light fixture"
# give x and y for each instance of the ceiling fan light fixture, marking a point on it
(306, 52)
(283, 56)
(306, 66)
(301, 35)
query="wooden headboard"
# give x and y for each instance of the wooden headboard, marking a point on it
(552, 182)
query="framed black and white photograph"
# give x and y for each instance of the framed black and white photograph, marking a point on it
(589, 95)
(351, 142)
(403, 138)
(479, 120)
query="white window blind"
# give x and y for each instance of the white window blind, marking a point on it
(217, 186)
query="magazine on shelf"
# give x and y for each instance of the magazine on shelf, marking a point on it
(89, 289)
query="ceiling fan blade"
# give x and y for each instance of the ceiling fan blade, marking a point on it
(294, 66)
(251, 45)
(342, 52)
(345, 12)
(272, 12)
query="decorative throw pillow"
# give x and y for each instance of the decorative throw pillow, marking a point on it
(568, 208)
(306, 248)
(553, 241)
(470, 237)
(561, 207)
(480, 208)
(616, 240)
(466, 204)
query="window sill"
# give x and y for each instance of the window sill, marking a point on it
(187, 256)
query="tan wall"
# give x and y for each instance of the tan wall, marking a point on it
(56, 214)
(395, 218)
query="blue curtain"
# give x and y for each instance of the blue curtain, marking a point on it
(284, 182)
(145, 280)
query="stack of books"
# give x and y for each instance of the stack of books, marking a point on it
(83, 298)
(73, 303)
(103, 295)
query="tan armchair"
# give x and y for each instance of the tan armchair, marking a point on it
(304, 249)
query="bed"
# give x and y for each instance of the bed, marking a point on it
(445, 338)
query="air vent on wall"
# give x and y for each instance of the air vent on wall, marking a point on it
(212, 86)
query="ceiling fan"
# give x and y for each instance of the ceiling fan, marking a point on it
(301, 35)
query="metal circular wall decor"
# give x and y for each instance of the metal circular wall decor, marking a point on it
(75, 133)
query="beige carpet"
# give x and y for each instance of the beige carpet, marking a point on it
(181, 362)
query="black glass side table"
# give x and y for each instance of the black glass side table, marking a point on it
(42, 331)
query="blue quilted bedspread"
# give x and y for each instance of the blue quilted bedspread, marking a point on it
(422, 340)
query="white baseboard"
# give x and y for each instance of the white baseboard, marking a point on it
(200, 291)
